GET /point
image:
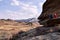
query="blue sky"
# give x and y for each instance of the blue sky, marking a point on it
(20, 9)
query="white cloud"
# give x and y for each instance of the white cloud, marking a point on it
(15, 2)
(26, 11)
(30, 9)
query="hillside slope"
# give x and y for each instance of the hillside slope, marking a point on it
(10, 27)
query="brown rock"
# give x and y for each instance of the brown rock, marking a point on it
(50, 7)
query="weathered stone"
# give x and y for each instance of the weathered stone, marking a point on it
(50, 7)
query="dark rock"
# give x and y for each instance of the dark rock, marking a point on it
(32, 33)
(50, 7)
(49, 36)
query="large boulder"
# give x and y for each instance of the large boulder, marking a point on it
(50, 7)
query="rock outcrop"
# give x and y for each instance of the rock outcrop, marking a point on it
(50, 7)
(39, 33)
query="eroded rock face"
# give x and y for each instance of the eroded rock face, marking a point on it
(50, 7)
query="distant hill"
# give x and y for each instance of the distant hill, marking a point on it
(27, 20)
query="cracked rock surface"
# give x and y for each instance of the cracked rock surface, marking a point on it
(49, 36)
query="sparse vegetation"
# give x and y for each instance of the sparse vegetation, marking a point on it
(8, 28)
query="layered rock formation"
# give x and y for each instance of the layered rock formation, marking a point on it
(50, 7)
